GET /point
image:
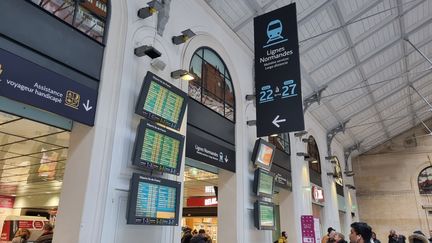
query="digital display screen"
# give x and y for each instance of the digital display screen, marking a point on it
(263, 153)
(265, 183)
(264, 215)
(153, 201)
(161, 102)
(157, 148)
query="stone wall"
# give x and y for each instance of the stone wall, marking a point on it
(387, 188)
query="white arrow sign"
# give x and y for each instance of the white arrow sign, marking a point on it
(276, 121)
(87, 106)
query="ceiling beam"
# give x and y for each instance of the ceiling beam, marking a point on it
(257, 11)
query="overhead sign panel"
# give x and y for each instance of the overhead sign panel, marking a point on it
(279, 104)
(27, 82)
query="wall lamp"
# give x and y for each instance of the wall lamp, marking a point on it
(300, 134)
(153, 7)
(186, 35)
(145, 50)
(182, 74)
(332, 159)
(349, 173)
(331, 174)
(349, 186)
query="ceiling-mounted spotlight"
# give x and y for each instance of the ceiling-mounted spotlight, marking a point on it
(349, 186)
(349, 173)
(147, 50)
(183, 74)
(331, 174)
(153, 7)
(186, 35)
(332, 159)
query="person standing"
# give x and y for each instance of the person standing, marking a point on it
(187, 236)
(47, 234)
(360, 233)
(21, 236)
(396, 238)
(329, 235)
(374, 239)
(283, 238)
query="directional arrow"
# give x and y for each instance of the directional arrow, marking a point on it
(87, 106)
(276, 121)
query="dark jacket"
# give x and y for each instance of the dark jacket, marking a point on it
(46, 237)
(186, 237)
(399, 239)
(199, 238)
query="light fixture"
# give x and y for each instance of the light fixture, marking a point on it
(186, 35)
(183, 74)
(331, 158)
(349, 173)
(331, 174)
(147, 50)
(274, 135)
(300, 134)
(158, 64)
(153, 7)
(305, 140)
(349, 186)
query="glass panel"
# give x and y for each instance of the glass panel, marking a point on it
(196, 66)
(200, 52)
(214, 60)
(229, 92)
(194, 89)
(213, 102)
(28, 147)
(89, 24)
(29, 129)
(229, 112)
(63, 9)
(60, 139)
(6, 139)
(212, 81)
(5, 117)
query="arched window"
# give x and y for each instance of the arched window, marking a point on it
(88, 16)
(212, 85)
(312, 149)
(425, 181)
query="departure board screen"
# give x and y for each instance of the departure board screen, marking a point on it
(264, 182)
(264, 215)
(263, 153)
(153, 201)
(157, 148)
(161, 102)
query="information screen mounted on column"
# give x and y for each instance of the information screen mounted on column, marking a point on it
(161, 101)
(153, 201)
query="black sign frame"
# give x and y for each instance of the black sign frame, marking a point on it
(139, 109)
(257, 151)
(139, 140)
(257, 214)
(133, 195)
(257, 181)
(279, 103)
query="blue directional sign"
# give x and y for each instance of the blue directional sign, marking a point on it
(279, 104)
(27, 82)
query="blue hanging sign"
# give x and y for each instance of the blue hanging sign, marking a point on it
(27, 82)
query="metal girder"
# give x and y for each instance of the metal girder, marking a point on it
(315, 97)
(257, 12)
(357, 63)
(332, 133)
(163, 16)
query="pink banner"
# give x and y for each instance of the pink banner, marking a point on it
(307, 227)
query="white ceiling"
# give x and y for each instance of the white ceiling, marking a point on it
(355, 45)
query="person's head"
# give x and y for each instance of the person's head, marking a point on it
(23, 233)
(284, 234)
(329, 230)
(373, 235)
(332, 234)
(418, 232)
(392, 232)
(201, 232)
(194, 232)
(360, 233)
(339, 237)
(48, 227)
(187, 230)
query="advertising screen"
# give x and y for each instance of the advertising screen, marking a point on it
(263, 153)
(153, 201)
(264, 215)
(157, 148)
(161, 102)
(263, 183)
